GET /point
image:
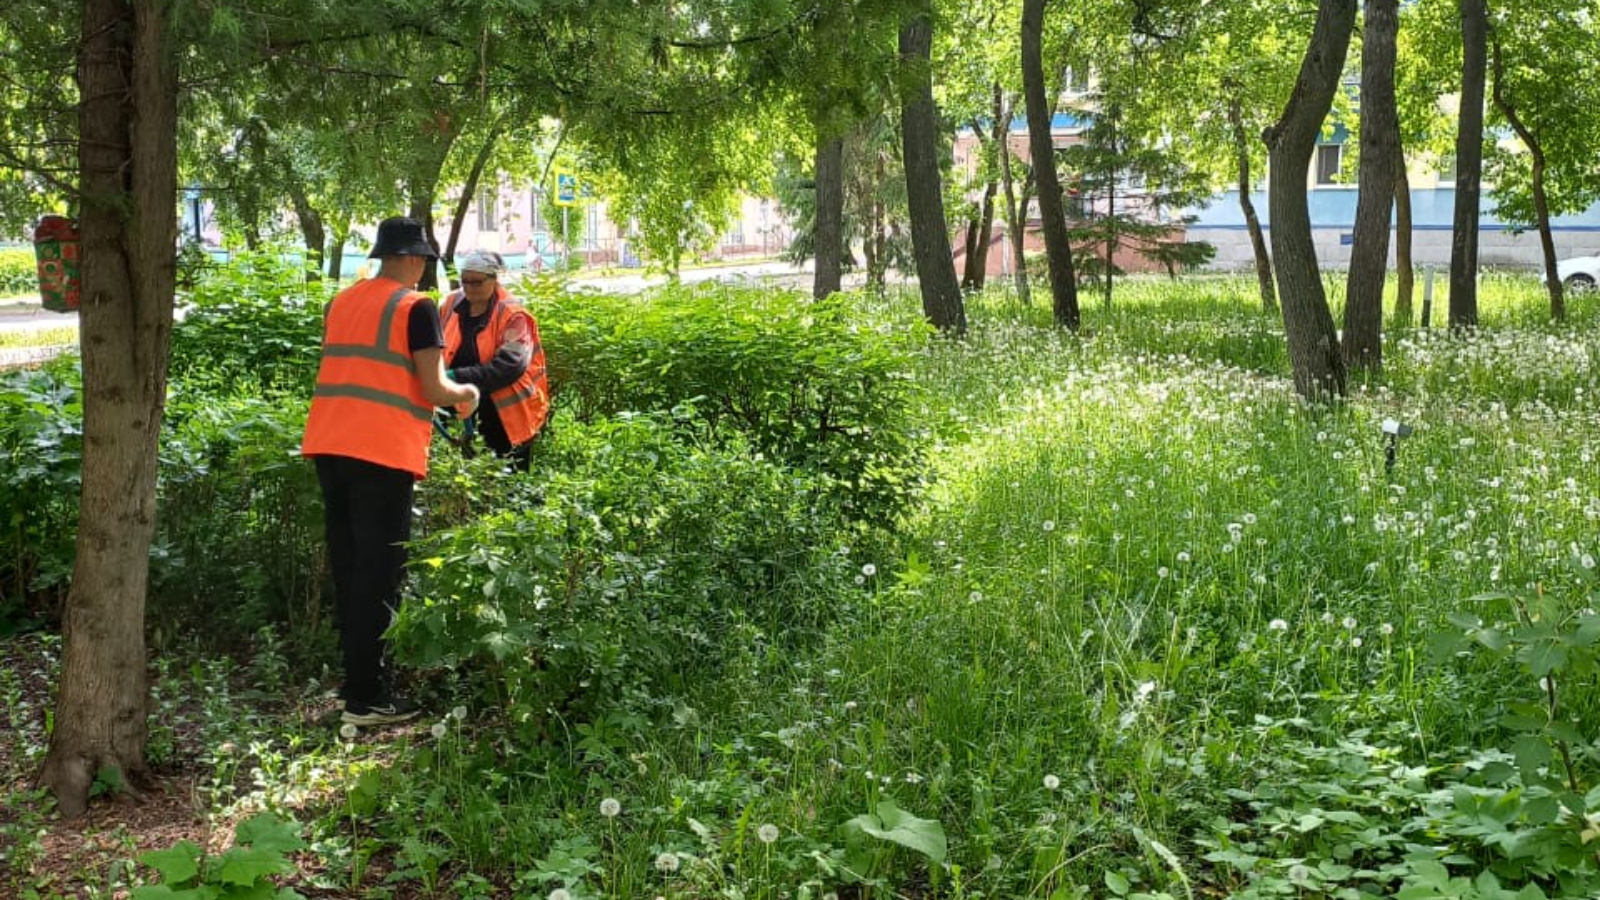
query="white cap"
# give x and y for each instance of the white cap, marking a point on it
(485, 261)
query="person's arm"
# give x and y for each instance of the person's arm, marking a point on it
(509, 362)
(425, 338)
(439, 390)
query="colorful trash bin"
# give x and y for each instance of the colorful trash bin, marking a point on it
(55, 245)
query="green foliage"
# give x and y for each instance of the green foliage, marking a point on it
(250, 323)
(643, 549)
(244, 871)
(806, 384)
(41, 443)
(18, 271)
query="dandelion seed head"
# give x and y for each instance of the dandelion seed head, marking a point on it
(1277, 625)
(869, 570)
(667, 862)
(348, 732)
(1051, 782)
(768, 833)
(459, 713)
(1048, 525)
(438, 731)
(610, 807)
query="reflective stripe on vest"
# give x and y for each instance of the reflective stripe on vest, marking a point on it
(523, 404)
(368, 402)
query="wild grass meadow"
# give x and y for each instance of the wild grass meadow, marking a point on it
(803, 602)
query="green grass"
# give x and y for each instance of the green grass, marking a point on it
(1159, 630)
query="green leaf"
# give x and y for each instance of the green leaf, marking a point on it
(244, 865)
(1531, 751)
(177, 864)
(163, 892)
(893, 824)
(268, 832)
(1117, 883)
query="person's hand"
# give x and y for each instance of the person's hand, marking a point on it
(468, 407)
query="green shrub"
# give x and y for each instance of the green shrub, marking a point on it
(19, 272)
(251, 322)
(646, 553)
(806, 383)
(239, 522)
(41, 442)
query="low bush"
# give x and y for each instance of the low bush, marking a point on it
(41, 443)
(19, 272)
(647, 552)
(807, 383)
(252, 322)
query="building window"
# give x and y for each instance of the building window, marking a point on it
(1078, 80)
(591, 231)
(486, 212)
(735, 235)
(1328, 163)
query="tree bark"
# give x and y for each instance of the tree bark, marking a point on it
(828, 239)
(930, 240)
(1057, 245)
(1252, 220)
(1469, 165)
(1307, 322)
(1016, 221)
(469, 190)
(312, 232)
(127, 157)
(1405, 271)
(422, 186)
(1380, 161)
(979, 234)
(341, 233)
(1541, 199)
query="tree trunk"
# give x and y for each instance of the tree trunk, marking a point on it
(1252, 221)
(1016, 221)
(828, 238)
(1405, 272)
(1057, 246)
(312, 232)
(979, 236)
(1307, 322)
(128, 174)
(1469, 165)
(1541, 199)
(421, 187)
(930, 241)
(1113, 239)
(1380, 161)
(341, 233)
(469, 190)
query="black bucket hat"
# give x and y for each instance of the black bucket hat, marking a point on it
(401, 236)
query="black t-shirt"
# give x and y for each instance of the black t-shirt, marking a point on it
(423, 331)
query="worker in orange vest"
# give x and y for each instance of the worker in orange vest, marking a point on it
(492, 342)
(371, 418)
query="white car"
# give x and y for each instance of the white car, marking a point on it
(1579, 274)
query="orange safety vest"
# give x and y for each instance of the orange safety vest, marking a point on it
(523, 404)
(368, 402)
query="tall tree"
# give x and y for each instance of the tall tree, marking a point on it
(1307, 321)
(1469, 164)
(1041, 148)
(128, 178)
(942, 302)
(1546, 67)
(1380, 164)
(1247, 206)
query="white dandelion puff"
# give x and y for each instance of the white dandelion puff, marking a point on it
(348, 732)
(1277, 625)
(667, 862)
(767, 833)
(438, 731)
(459, 713)
(869, 570)
(610, 807)
(1051, 782)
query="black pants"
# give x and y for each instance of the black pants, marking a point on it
(368, 514)
(496, 439)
